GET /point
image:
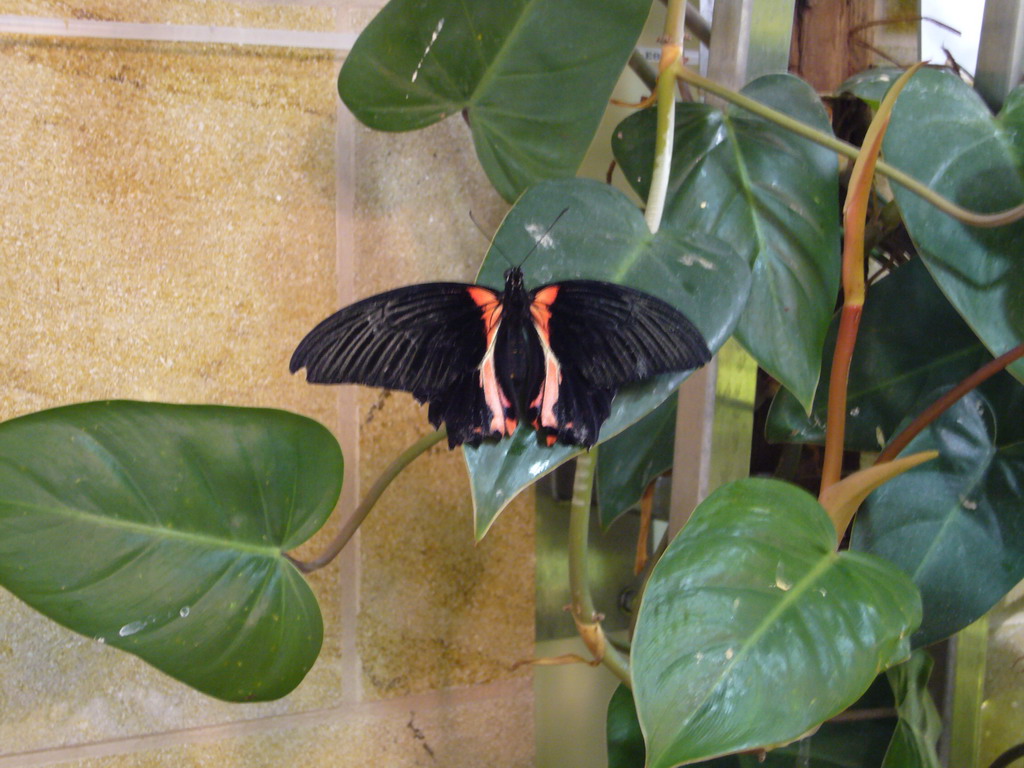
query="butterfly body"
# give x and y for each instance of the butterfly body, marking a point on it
(485, 361)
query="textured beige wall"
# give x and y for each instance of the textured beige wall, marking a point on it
(175, 217)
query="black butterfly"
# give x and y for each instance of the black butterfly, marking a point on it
(484, 361)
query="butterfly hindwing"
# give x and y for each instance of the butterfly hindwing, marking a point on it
(595, 338)
(427, 339)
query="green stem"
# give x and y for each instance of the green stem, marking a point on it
(588, 620)
(579, 536)
(671, 63)
(662, 149)
(846, 149)
(674, 28)
(351, 525)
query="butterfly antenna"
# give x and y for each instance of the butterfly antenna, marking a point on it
(490, 239)
(542, 237)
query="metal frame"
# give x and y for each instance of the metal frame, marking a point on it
(175, 33)
(1001, 51)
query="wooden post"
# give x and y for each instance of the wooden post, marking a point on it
(824, 52)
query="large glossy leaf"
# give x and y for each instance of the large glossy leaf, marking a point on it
(753, 629)
(160, 529)
(631, 460)
(770, 195)
(943, 134)
(911, 343)
(851, 744)
(953, 524)
(919, 727)
(534, 76)
(602, 236)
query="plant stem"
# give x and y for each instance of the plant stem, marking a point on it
(675, 24)
(835, 431)
(588, 620)
(846, 149)
(662, 149)
(940, 406)
(351, 525)
(671, 63)
(854, 218)
(858, 715)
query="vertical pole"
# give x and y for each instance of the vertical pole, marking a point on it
(715, 419)
(1001, 52)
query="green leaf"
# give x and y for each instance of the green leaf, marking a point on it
(953, 524)
(856, 744)
(534, 76)
(770, 195)
(836, 744)
(631, 460)
(625, 741)
(842, 744)
(871, 85)
(1012, 120)
(602, 236)
(753, 629)
(919, 725)
(911, 343)
(160, 529)
(943, 134)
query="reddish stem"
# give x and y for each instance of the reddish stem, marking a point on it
(940, 406)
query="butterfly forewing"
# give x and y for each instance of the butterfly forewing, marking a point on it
(425, 339)
(420, 338)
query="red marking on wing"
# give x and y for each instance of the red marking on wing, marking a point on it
(547, 397)
(496, 399)
(490, 308)
(540, 309)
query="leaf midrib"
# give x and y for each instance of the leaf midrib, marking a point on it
(152, 531)
(506, 45)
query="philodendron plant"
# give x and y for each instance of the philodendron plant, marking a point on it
(764, 619)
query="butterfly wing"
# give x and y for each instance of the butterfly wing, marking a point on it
(427, 339)
(596, 337)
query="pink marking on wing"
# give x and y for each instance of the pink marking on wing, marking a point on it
(493, 396)
(549, 391)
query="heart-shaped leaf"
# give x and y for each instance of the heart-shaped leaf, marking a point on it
(631, 460)
(602, 236)
(919, 727)
(160, 529)
(942, 134)
(954, 524)
(771, 196)
(534, 76)
(753, 629)
(911, 343)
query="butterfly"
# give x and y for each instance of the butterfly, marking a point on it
(484, 360)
